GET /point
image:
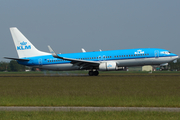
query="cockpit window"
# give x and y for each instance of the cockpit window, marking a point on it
(165, 52)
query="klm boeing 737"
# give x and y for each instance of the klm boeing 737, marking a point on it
(93, 61)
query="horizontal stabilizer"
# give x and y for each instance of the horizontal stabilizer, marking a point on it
(16, 59)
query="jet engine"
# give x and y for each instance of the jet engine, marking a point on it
(108, 66)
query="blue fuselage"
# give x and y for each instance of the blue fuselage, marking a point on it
(128, 57)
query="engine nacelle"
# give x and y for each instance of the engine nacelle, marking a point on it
(108, 66)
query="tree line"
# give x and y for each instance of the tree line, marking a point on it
(14, 66)
(11, 66)
(174, 66)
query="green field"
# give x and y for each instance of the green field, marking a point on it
(124, 115)
(77, 89)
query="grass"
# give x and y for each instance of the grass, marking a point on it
(124, 115)
(111, 89)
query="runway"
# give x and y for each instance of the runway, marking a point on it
(15, 108)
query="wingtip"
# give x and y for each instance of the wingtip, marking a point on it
(13, 28)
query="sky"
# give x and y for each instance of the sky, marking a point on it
(69, 25)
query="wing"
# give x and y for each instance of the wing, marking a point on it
(82, 63)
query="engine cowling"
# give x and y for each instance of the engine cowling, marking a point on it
(108, 66)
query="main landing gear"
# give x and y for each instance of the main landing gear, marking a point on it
(93, 73)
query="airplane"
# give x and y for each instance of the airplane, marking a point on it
(111, 60)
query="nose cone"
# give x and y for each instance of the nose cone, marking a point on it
(174, 55)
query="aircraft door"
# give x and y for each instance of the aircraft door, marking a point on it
(104, 58)
(101, 58)
(156, 53)
(40, 61)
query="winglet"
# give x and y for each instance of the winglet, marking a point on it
(83, 50)
(52, 51)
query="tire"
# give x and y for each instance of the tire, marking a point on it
(95, 73)
(91, 73)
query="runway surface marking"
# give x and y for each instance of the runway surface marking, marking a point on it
(89, 109)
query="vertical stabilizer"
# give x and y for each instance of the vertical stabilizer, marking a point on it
(23, 46)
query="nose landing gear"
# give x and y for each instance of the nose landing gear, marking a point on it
(93, 73)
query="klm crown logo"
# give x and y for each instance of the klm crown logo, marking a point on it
(23, 46)
(23, 43)
(139, 52)
(109, 66)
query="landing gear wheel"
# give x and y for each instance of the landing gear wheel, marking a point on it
(96, 73)
(91, 73)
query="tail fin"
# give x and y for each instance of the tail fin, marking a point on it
(23, 46)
